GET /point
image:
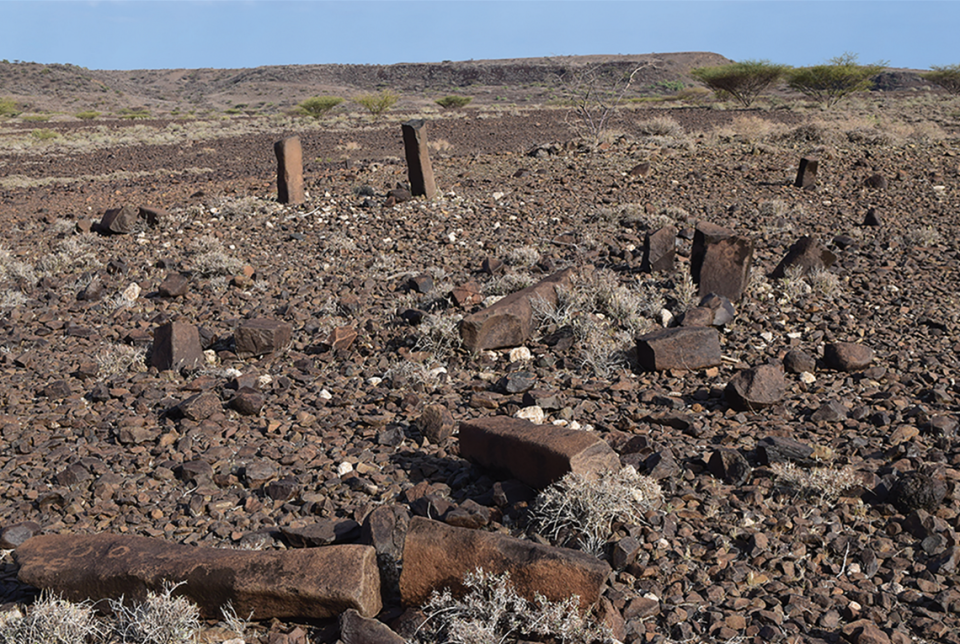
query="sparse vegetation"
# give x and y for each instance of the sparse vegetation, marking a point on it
(453, 102)
(88, 115)
(134, 113)
(51, 620)
(831, 83)
(44, 134)
(492, 612)
(162, 619)
(317, 106)
(824, 483)
(596, 97)
(947, 77)
(377, 104)
(743, 81)
(8, 107)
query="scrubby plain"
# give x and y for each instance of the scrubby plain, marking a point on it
(793, 553)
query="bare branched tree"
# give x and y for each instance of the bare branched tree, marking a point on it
(596, 93)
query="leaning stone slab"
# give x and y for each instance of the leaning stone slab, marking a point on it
(119, 221)
(690, 347)
(419, 168)
(437, 556)
(289, 171)
(509, 322)
(261, 336)
(659, 250)
(538, 455)
(720, 261)
(176, 345)
(303, 583)
(807, 255)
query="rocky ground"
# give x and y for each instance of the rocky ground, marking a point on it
(93, 440)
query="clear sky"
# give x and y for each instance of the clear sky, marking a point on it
(148, 34)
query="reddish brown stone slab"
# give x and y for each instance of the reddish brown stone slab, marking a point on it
(289, 171)
(538, 455)
(437, 556)
(509, 322)
(807, 174)
(261, 336)
(847, 356)
(419, 168)
(176, 345)
(659, 250)
(806, 254)
(720, 261)
(300, 583)
(756, 388)
(690, 347)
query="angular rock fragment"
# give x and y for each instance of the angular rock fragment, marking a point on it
(659, 250)
(730, 466)
(355, 629)
(289, 171)
(720, 261)
(200, 406)
(847, 356)
(679, 348)
(538, 455)
(778, 449)
(713, 310)
(509, 322)
(174, 285)
(322, 533)
(436, 424)
(119, 221)
(807, 174)
(385, 529)
(755, 388)
(247, 401)
(872, 218)
(437, 556)
(797, 361)
(419, 168)
(301, 583)
(807, 255)
(341, 338)
(261, 336)
(176, 346)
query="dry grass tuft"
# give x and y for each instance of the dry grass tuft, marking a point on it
(51, 620)
(161, 619)
(824, 483)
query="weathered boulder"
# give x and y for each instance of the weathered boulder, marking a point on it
(798, 361)
(720, 261)
(176, 345)
(261, 336)
(659, 250)
(436, 424)
(679, 348)
(806, 254)
(437, 556)
(756, 388)
(302, 583)
(538, 455)
(847, 356)
(917, 491)
(119, 221)
(419, 168)
(713, 310)
(289, 171)
(509, 322)
(173, 285)
(355, 629)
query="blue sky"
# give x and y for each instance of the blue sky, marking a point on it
(146, 34)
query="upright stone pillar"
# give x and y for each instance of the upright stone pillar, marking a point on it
(720, 261)
(419, 169)
(289, 171)
(807, 174)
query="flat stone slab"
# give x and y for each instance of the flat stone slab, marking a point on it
(690, 347)
(437, 556)
(262, 336)
(303, 583)
(509, 322)
(538, 455)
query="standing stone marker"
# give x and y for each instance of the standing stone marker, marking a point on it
(289, 171)
(419, 169)
(807, 174)
(720, 261)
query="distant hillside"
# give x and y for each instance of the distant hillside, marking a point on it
(277, 88)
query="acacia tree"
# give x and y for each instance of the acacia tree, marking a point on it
(743, 81)
(834, 81)
(947, 77)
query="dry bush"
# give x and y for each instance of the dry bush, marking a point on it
(115, 359)
(793, 286)
(824, 283)
(661, 126)
(439, 336)
(824, 483)
(685, 291)
(161, 619)
(15, 270)
(580, 510)
(923, 236)
(524, 256)
(814, 132)
(491, 612)
(210, 259)
(10, 299)
(509, 283)
(70, 255)
(51, 620)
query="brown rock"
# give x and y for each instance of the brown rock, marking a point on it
(679, 348)
(289, 171)
(729, 465)
(807, 174)
(806, 254)
(119, 221)
(153, 216)
(200, 406)
(173, 285)
(302, 583)
(847, 356)
(864, 631)
(917, 491)
(538, 455)
(419, 168)
(355, 629)
(720, 261)
(176, 345)
(659, 250)
(248, 401)
(756, 388)
(262, 336)
(342, 337)
(436, 424)
(437, 556)
(509, 322)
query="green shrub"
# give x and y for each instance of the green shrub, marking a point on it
(743, 81)
(139, 113)
(947, 77)
(36, 118)
(379, 103)
(87, 115)
(453, 102)
(836, 80)
(8, 107)
(317, 106)
(44, 134)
